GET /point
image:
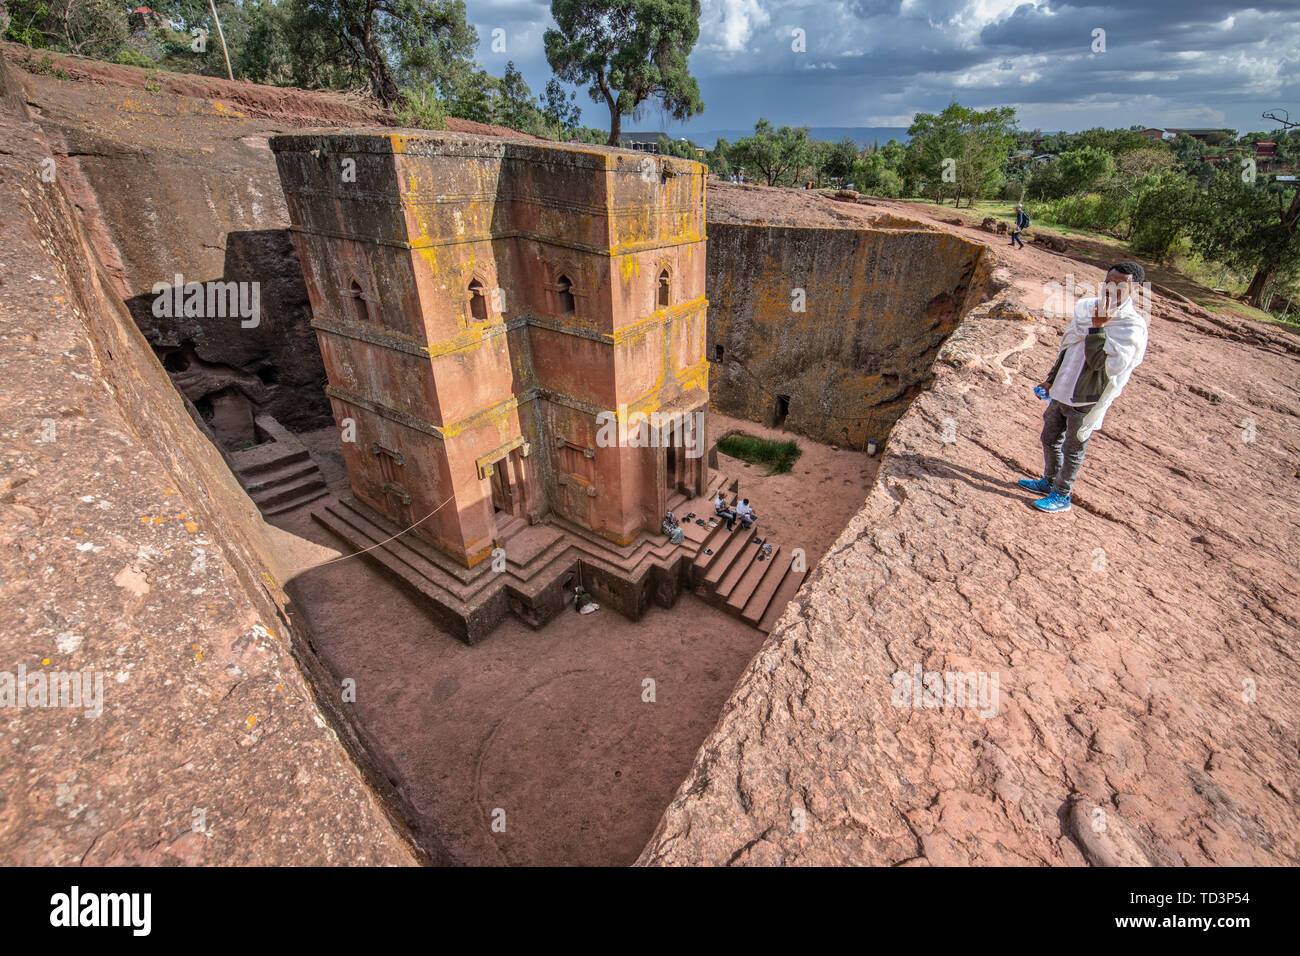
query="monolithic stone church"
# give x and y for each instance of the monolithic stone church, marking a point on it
(479, 304)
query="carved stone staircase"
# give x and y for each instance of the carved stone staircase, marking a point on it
(734, 572)
(278, 474)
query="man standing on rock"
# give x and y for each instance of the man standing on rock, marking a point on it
(1102, 345)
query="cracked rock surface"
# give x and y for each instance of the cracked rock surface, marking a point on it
(1144, 644)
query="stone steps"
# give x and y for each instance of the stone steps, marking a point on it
(279, 474)
(539, 558)
(790, 584)
(739, 568)
(508, 526)
(765, 591)
(730, 551)
(750, 580)
(716, 539)
(288, 499)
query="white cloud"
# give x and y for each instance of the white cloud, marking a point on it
(727, 25)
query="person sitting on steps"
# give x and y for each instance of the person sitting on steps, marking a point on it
(722, 511)
(746, 514)
(673, 529)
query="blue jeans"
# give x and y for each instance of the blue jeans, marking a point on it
(1062, 451)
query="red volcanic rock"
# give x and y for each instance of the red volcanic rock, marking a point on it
(1144, 643)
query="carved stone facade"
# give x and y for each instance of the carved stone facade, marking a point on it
(479, 303)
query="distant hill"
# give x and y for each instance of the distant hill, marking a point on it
(862, 135)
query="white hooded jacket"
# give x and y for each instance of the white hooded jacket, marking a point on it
(1126, 344)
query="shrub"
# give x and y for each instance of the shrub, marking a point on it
(421, 109)
(25, 20)
(128, 57)
(889, 185)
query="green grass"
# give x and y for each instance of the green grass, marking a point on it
(778, 456)
(1185, 272)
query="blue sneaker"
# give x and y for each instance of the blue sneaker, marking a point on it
(1040, 485)
(1053, 503)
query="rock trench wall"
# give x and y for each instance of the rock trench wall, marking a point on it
(843, 323)
(175, 186)
(129, 551)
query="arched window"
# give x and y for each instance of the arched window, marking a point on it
(564, 292)
(360, 308)
(663, 288)
(478, 309)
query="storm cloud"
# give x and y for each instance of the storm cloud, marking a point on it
(878, 62)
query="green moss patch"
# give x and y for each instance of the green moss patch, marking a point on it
(778, 456)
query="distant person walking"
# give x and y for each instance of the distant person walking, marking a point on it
(1022, 223)
(1104, 342)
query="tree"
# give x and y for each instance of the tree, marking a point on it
(515, 105)
(93, 28)
(840, 159)
(1248, 228)
(1079, 169)
(266, 55)
(627, 51)
(719, 158)
(776, 154)
(1163, 212)
(961, 146)
(385, 41)
(1112, 141)
(561, 106)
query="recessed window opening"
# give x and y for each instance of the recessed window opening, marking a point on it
(478, 309)
(565, 293)
(360, 308)
(663, 288)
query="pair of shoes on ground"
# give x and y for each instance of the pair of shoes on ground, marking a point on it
(1052, 502)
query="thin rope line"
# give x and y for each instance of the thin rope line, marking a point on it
(386, 540)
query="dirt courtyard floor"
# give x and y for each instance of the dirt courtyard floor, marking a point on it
(808, 506)
(549, 726)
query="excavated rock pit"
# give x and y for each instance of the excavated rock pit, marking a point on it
(1143, 644)
(831, 332)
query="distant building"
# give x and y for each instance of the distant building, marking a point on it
(644, 142)
(1265, 150)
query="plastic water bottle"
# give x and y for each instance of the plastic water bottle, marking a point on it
(1040, 392)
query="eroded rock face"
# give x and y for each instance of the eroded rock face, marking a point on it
(831, 332)
(170, 186)
(129, 558)
(1144, 643)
